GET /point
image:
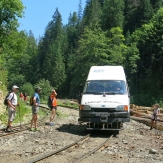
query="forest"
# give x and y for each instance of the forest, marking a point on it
(105, 32)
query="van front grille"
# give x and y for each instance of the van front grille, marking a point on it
(103, 109)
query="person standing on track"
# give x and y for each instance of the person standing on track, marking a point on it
(155, 116)
(12, 104)
(53, 107)
(35, 108)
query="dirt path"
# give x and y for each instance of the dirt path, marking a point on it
(132, 144)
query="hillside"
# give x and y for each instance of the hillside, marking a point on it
(2, 107)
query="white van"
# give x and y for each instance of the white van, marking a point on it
(105, 102)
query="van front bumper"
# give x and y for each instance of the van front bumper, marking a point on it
(106, 117)
(98, 120)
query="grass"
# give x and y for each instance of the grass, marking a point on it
(68, 104)
(61, 115)
(20, 113)
(64, 103)
(24, 116)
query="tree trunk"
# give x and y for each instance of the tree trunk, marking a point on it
(143, 115)
(147, 122)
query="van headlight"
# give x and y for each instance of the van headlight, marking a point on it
(85, 107)
(122, 107)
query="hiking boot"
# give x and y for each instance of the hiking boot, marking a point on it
(36, 129)
(9, 130)
(51, 124)
(31, 129)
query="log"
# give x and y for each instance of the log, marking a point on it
(143, 115)
(144, 108)
(147, 122)
(143, 111)
(134, 107)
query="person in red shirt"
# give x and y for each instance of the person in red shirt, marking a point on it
(21, 96)
(25, 96)
(53, 106)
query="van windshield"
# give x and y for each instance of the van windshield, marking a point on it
(105, 86)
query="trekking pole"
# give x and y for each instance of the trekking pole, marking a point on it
(19, 117)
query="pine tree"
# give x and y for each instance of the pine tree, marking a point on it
(92, 13)
(157, 4)
(113, 14)
(137, 13)
(80, 11)
(51, 52)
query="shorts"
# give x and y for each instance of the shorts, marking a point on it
(154, 118)
(11, 114)
(53, 107)
(35, 109)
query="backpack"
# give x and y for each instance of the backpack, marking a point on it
(31, 100)
(49, 103)
(6, 100)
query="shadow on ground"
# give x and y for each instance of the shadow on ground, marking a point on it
(78, 129)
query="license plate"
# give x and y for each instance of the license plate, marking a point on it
(102, 114)
(97, 114)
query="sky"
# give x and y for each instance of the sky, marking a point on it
(39, 12)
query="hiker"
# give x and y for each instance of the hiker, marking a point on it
(25, 97)
(21, 96)
(12, 102)
(155, 116)
(35, 108)
(53, 107)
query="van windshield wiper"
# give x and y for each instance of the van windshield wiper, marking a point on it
(95, 93)
(113, 93)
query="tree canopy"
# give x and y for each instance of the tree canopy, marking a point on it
(105, 32)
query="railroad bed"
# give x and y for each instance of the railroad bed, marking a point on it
(22, 127)
(132, 144)
(78, 146)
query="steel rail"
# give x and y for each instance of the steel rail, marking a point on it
(5, 134)
(104, 144)
(59, 150)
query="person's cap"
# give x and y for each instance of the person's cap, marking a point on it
(38, 89)
(15, 87)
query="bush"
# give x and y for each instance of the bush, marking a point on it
(46, 88)
(27, 88)
(15, 79)
(3, 79)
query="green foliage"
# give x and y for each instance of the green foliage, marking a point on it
(22, 112)
(113, 14)
(92, 13)
(9, 11)
(108, 32)
(46, 88)
(15, 79)
(95, 48)
(51, 59)
(27, 88)
(148, 40)
(68, 104)
(3, 79)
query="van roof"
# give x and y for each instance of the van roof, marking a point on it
(106, 73)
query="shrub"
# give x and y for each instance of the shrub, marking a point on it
(16, 79)
(46, 88)
(27, 88)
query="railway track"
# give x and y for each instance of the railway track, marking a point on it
(16, 129)
(22, 127)
(102, 146)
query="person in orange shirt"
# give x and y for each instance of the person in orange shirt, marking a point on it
(53, 106)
